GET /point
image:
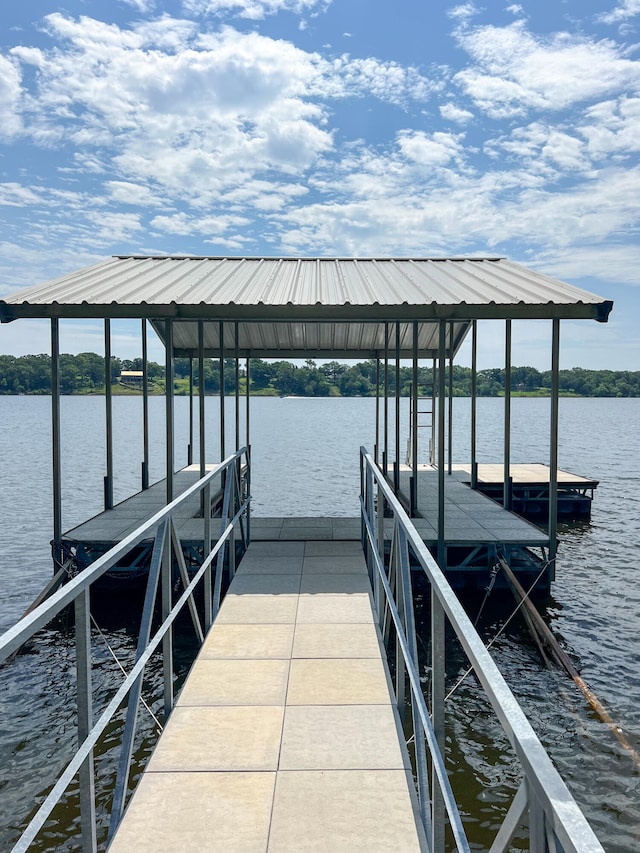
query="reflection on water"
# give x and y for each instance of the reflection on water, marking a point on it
(305, 455)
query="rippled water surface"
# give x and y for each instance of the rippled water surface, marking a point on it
(305, 456)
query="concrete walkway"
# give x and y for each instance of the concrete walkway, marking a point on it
(284, 737)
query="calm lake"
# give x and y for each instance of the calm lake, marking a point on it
(305, 462)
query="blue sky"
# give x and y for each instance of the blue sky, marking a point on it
(352, 127)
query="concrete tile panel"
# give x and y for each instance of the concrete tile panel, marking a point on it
(335, 583)
(342, 548)
(263, 583)
(336, 641)
(341, 737)
(334, 608)
(257, 565)
(192, 812)
(343, 811)
(236, 682)
(324, 565)
(248, 641)
(351, 681)
(254, 609)
(276, 549)
(220, 738)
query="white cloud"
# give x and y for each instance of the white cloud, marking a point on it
(142, 6)
(451, 112)
(431, 150)
(183, 224)
(514, 71)
(194, 115)
(10, 94)
(15, 195)
(113, 227)
(622, 12)
(464, 12)
(612, 128)
(253, 9)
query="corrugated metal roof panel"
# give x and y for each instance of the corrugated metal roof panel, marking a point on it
(305, 291)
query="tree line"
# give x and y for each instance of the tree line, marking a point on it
(85, 374)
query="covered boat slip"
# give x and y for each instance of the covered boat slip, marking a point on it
(387, 309)
(286, 733)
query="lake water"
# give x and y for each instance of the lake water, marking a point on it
(305, 462)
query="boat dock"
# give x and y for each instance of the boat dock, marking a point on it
(476, 528)
(285, 735)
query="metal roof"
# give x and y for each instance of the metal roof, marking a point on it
(332, 306)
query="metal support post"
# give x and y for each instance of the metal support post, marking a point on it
(441, 394)
(190, 447)
(201, 399)
(396, 464)
(248, 406)
(221, 370)
(506, 493)
(377, 441)
(432, 453)
(553, 450)
(85, 720)
(450, 404)
(145, 409)
(108, 480)
(385, 452)
(414, 425)
(474, 401)
(56, 454)
(169, 406)
(237, 382)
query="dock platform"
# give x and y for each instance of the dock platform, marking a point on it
(285, 735)
(475, 528)
(530, 488)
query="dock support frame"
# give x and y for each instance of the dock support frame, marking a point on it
(56, 443)
(507, 487)
(553, 450)
(145, 408)
(169, 407)
(474, 404)
(108, 480)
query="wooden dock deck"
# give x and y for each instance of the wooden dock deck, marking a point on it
(284, 736)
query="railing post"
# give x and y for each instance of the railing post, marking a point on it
(167, 640)
(418, 733)
(126, 751)
(206, 548)
(85, 719)
(437, 715)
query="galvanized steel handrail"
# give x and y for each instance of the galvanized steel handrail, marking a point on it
(554, 816)
(78, 590)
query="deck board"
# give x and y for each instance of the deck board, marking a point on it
(285, 736)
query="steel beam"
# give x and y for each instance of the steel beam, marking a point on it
(108, 481)
(474, 404)
(145, 409)
(553, 450)
(169, 413)
(221, 371)
(506, 492)
(56, 442)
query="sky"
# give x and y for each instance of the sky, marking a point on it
(326, 127)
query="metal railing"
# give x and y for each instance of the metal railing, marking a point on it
(167, 553)
(555, 822)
